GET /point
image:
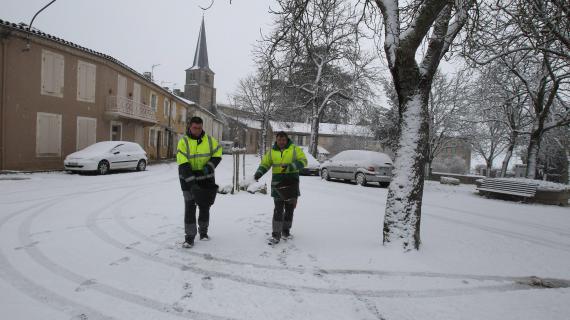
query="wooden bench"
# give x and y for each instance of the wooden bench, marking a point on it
(508, 186)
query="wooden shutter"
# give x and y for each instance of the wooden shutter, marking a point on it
(48, 134)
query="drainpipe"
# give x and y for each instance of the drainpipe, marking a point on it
(3, 103)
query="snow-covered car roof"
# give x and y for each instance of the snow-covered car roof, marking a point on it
(366, 155)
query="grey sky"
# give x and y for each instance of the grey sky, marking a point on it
(141, 33)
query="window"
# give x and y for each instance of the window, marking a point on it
(174, 111)
(48, 135)
(116, 131)
(86, 73)
(52, 74)
(166, 139)
(153, 101)
(86, 132)
(166, 108)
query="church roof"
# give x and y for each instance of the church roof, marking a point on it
(201, 54)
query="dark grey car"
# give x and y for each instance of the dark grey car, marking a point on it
(360, 166)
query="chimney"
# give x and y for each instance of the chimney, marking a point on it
(178, 92)
(147, 75)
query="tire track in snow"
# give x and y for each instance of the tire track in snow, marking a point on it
(520, 236)
(39, 257)
(60, 302)
(99, 186)
(37, 292)
(511, 286)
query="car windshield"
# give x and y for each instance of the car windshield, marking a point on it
(100, 147)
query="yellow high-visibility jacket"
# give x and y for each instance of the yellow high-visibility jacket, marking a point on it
(197, 153)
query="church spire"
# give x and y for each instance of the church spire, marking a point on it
(201, 54)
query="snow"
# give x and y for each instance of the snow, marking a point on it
(107, 247)
(312, 163)
(449, 180)
(401, 209)
(324, 128)
(541, 185)
(249, 123)
(96, 149)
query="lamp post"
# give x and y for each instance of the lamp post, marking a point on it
(31, 22)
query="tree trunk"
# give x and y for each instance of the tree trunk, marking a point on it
(404, 203)
(263, 139)
(568, 167)
(489, 165)
(313, 145)
(509, 154)
(532, 154)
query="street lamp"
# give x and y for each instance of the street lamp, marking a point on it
(31, 22)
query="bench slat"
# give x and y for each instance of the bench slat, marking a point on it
(529, 195)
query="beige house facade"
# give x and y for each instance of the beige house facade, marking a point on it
(57, 97)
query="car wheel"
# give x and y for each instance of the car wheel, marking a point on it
(325, 174)
(103, 167)
(384, 184)
(361, 179)
(141, 166)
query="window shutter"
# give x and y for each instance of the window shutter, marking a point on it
(91, 82)
(59, 74)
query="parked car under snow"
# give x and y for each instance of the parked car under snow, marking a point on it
(360, 166)
(105, 156)
(313, 166)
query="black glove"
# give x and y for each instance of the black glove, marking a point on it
(208, 168)
(257, 175)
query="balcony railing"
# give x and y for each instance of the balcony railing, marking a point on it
(124, 107)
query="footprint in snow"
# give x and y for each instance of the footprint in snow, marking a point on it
(85, 285)
(29, 245)
(118, 262)
(207, 283)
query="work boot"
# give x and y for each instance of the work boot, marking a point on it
(286, 234)
(188, 242)
(204, 237)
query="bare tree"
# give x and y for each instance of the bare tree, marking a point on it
(255, 94)
(447, 104)
(523, 36)
(317, 42)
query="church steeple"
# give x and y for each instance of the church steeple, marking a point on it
(201, 54)
(200, 78)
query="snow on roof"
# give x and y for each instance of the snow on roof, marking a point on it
(333, 129)
(190, 102)
(250, 123)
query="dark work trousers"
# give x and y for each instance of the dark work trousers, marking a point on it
(190, 216)
(283, 215)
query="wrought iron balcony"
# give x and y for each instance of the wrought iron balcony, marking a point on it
(121, 107)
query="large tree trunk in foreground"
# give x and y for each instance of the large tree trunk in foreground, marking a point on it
(404, 204)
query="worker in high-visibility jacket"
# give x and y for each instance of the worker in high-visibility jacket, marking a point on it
(198, 156)
(285, 160)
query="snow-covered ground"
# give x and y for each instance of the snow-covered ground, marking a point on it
(106, 247)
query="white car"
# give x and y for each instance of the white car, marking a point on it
(313, 165)
(104, 156)
(360, 166)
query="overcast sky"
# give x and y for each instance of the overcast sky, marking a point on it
(141, 33)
